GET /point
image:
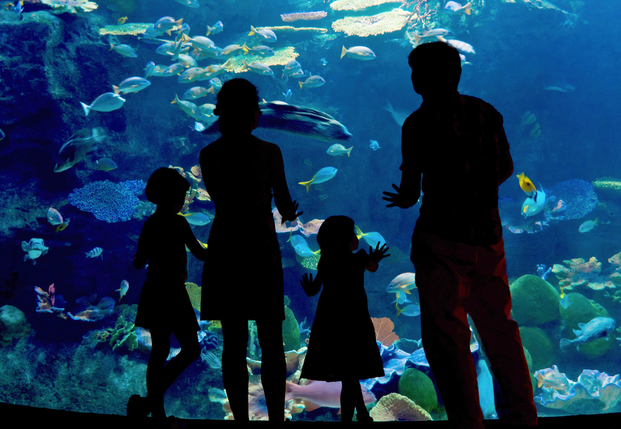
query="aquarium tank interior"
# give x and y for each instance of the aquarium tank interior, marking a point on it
(96, 95)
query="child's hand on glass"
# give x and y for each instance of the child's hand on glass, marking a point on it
(379, 253)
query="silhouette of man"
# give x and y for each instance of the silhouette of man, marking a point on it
(242, 276)
(457, 144)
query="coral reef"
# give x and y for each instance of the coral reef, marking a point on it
(418, 387)
(578, 195)
(20, 204)
(194, 292)
(304, 16)
(290, 331)
(578, 274)
(71, 6)
(539, 345)
(355, 5)
(127, 29)
(108, 201)
(594, 392)
(281, 57)
(363, 26)
(535, 301)
(384, 330)
(13, 324)
(396, 407)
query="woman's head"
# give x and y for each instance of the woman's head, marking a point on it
(237, 106)
(167, 187)
(336, 234)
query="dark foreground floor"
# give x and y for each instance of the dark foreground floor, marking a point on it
(27, 417)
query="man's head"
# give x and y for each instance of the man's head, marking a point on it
(436, 69)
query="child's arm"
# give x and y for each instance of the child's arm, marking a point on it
(375, 256)
(195, 246)
(311, 286)
(142, 254)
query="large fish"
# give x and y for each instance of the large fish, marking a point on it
(299, 120)
(597, 328)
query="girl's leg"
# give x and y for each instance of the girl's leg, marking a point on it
(234, 369)
(190, 351)
(352, 399)
(273, 368)
(155, 371)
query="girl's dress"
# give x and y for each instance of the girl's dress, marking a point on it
(342, 341)
(164, 302)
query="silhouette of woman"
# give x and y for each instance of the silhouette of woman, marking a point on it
(242, 277)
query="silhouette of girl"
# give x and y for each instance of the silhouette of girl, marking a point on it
(164, 306)
(342, 312)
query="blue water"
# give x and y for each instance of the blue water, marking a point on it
(520, 50)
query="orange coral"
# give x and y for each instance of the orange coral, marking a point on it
(384, 330)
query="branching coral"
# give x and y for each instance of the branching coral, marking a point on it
(578, 273)
(108, 201)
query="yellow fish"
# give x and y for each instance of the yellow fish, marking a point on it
(526, 185)
(122, 20)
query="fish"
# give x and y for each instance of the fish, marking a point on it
(297, 120)
(2, 135)
(552, 378)
(123, 289)
(431, 34)
(195, 92)
(374, 145)
(218, 27)
(125, 50)
(75, 149)
(34, 249)
(526, 184)
(287, 95)
(261, 50)
(167, 23)
(372, 238)
(231, 49)
(105, 164)
(55, 218)
(291, 68)
(215, 85)
(301, 247)
(534, 204)
(358, 52)
(403, 283)
(198, 218)
(189, 3)
(321, 176)
(410, 310)
(106, 102)
(188, 107)
(148, 70)
(596, 328)
(190, 75)
(398, 115)
(588, 225)
(321, 394)
(94, 253)
(459, 45)
(131, 84)
(313, 82)
(122, 20)
(338, 149)
(456, 8)
(258, 68)
(217, 395)
(264, 34)
(562, 87)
